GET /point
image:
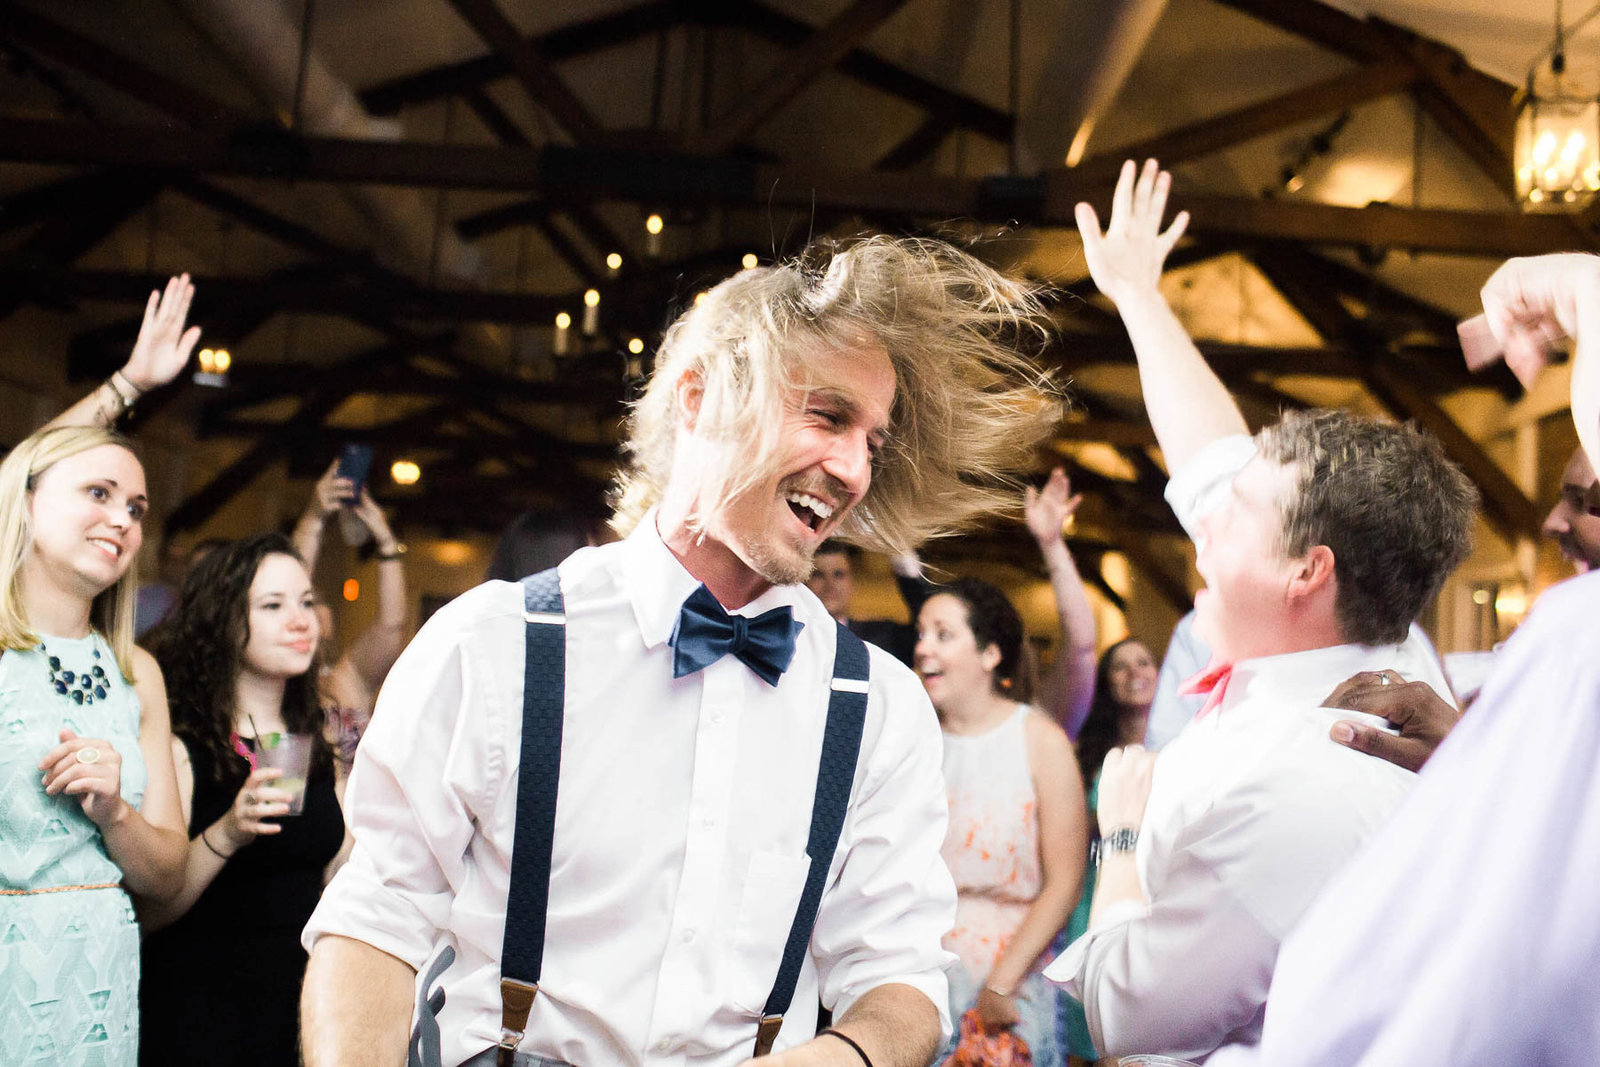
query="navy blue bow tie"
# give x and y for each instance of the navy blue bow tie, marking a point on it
(705, 633)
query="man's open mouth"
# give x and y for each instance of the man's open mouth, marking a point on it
(809, 510)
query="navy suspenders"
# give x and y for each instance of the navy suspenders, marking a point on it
(543, 703)
(544, 676)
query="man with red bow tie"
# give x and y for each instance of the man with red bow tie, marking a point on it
(1320, 539)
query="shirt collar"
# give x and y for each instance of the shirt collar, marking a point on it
(657, 584)
(1307, 678)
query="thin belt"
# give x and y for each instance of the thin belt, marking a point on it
(58, 889)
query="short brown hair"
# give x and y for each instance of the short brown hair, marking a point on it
(1395, 511)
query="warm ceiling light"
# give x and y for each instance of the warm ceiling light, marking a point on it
(614, 261)
(699, 298)
(352, 589)
(591, 298)
(750, 261)
(223, 360)
(653, 224)
(636, 346)
(405, 472)
(1556, 157)
(563, 320)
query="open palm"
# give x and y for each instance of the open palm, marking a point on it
(164, 346)
(1127, 258)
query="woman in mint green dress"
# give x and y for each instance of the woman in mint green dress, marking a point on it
(88, 797)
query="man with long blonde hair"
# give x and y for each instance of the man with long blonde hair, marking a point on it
(879, 391)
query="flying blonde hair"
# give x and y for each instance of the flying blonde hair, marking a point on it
(971, 404)
(112, 610)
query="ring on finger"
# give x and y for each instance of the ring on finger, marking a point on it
(88, 754)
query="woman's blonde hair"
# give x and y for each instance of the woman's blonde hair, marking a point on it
(112, 611)
(971, 404)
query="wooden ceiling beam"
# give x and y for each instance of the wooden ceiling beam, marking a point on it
(1320, 24)
(959, 110)
(824, 48)
(320, 401)
(566, 42)
(1505, 505)
(69, 48)
(530, 67)
(1256, 120)
(664, 179)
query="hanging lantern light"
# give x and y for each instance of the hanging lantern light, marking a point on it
(1557, 153)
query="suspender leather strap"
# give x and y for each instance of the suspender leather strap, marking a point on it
(841, 745)
(538, 776)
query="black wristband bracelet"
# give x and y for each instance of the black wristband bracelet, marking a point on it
(206, 841)
(847, 1039)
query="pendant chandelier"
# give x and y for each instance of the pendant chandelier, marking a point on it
(1557, 153)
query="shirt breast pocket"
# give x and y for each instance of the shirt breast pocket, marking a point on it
(772, 889)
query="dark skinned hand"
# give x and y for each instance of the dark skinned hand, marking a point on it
(1413, 708)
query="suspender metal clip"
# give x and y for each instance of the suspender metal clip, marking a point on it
(516, 1001)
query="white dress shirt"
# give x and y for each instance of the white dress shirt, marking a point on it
(1466, 933)
(680, 833)
(1252, 809)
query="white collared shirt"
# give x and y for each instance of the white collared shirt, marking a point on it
(1466, 933)
(681, 825)
(1252, 809)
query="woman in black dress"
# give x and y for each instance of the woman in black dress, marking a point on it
(222, 962)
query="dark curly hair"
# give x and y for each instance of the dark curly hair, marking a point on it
(200, 647)
(1099, 732)
(994, 621)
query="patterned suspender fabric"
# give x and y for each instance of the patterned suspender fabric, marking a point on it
(538, 775)
(841, 745)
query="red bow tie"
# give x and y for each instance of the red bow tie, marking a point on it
(1213, 681)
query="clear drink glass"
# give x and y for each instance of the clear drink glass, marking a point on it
(290, 753)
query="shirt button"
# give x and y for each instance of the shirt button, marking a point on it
(688, 935)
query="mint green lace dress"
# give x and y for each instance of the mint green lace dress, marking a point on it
(69, 957)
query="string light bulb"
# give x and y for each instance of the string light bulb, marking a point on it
(405, 472)
(652, 239)
(561, 340)
(750, 260)
(591, 312)
(636, 346)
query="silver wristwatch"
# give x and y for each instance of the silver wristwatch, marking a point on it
(1122, 839)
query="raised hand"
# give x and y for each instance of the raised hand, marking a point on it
(332, 492)
(1127, 258)
(1531, 303)
(1047, 510)
(164, 346)
(368, 511)
(88, 768)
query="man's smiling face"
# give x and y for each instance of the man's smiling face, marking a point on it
(830, 435)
